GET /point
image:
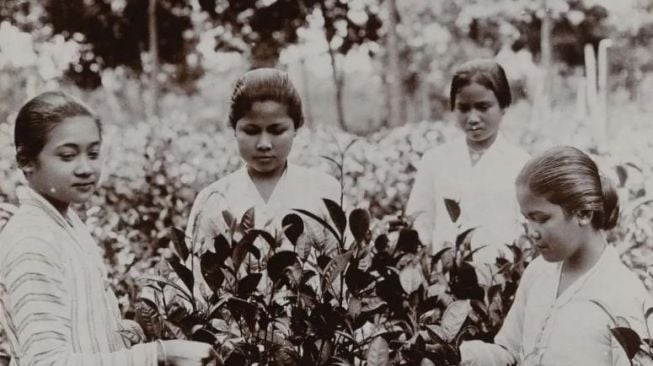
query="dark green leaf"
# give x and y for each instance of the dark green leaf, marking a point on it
(183, 272)
(628, 339)
(248, 284)
(293, 227)
(267, 237)
(205, 336)
(381, 242)
(210, 265)
(222, 247)
(464, 238)
(453, 208)
(279, 262)
(178, 238)
(337, 215)
(408, 241)
(359, 223)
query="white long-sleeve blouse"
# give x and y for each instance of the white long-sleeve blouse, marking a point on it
(56, 304)
(572, 328)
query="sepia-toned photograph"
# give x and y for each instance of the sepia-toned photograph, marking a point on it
(326, 182)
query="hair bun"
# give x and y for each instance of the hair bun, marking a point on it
(610, 203)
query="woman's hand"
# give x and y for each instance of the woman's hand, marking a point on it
(187, 353)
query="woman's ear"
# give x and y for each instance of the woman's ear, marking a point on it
(584, 217)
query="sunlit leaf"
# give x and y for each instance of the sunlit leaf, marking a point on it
(411, 279)
(453, 318)
(378, 353)
(335, 268)
(247, 221)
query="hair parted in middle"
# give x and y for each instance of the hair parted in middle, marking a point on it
(265, 84)
(486, 72)
(569, 178)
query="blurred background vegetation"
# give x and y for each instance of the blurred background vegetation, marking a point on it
(160, 72)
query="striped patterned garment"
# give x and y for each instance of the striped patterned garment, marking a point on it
(56, 305)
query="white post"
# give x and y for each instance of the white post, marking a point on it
(603, 90)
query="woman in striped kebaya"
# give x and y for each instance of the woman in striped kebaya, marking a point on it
(55, 303)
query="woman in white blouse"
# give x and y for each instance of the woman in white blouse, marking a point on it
(265, 113)
(477, 171)
(572, 294)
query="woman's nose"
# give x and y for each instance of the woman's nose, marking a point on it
(84, 167)
(533, 233)
(264, 142)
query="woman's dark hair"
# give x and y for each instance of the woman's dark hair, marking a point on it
(39, 116)
(261, 85)
(484, 72)
(568, 177)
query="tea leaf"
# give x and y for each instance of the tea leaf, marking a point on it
(408, 241)
(241, 248)
(204, 335)
(628, 339)
(337, 215)
(464, 238)
(210, 264)
(453, 208)
(379, 353)
(453, 318)
(278, 263)
(247, 221)
(293, 227)
(178, 238)
(222, 248)
(321, 221)
(248, 284)
(147, 315)
(335, 268)
(183, 272)
(411, 279)
(359, 224)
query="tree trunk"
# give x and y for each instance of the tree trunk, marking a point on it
(395, 94)
(338, 77)
(154, 60)
(546, 55)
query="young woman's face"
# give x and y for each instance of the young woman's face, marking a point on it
(479, 114)
(68, 167)
(265, 136)
(555, 234)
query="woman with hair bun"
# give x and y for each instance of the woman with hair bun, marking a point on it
(265, 115)
(569, 295)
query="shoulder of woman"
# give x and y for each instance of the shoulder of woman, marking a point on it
(23, 241)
